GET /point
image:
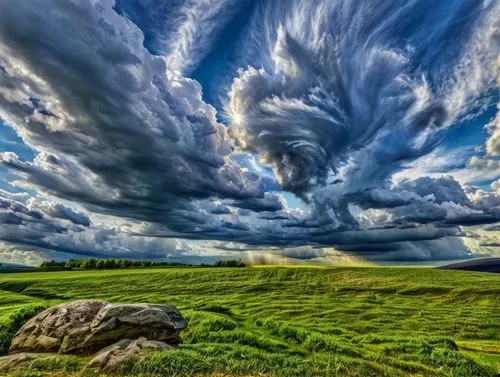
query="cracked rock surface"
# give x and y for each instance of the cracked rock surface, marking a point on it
(86, 326)
(112, 357)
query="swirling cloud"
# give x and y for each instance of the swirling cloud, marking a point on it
(345, 91)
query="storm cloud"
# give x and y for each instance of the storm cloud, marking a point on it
(347, 90)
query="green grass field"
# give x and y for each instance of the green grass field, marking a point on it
(287, 321)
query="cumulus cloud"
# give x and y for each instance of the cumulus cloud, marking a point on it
(496, 186)
(105, 114)
(443, 189)
(493, 142)
(488, 202)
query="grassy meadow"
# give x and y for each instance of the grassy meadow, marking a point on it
(286, 321)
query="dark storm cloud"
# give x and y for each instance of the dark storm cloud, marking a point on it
(61, 211)
(440, 201)
(360, 86)
(31, 222)
(44, 225)
(442, 249)
(444, 189)
(270, 203)
(79, 85)
(380, 198)
(301, 253)
(221, 210)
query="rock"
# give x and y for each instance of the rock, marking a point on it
(120, 345)
(19, 361)
(10, 361)
(138, 342)
(48, 343)
(56, 323)
(156, 345)
(85, 326)
(113, 357)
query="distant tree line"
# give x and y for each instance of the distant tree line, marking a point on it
(109, 264)
(229, 263)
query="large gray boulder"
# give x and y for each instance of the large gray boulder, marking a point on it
(86, 326)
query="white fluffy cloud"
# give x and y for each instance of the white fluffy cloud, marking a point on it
(493, 142)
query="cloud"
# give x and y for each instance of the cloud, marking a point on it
(60, 211)
(30, 222)
(485, 241)
(357, 104)
(442, 249)
(443, 189)
(479, 169)
(488, 202)
(496, 186)
(447, 248)
(480, 163)
(442, 202)
(198, 24)
(10, 255)
(113, 126)
(50, 229)
(441, 161)
(270, 203)
(493, 142)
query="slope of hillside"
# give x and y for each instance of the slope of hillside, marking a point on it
(481, 265)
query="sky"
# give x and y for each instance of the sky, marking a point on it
(282, 131)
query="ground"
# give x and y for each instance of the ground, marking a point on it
(287, 321)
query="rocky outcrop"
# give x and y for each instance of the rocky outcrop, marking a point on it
(114, 356)
(86, 326)
(11, 361)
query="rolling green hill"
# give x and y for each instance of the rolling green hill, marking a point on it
(288, 321)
